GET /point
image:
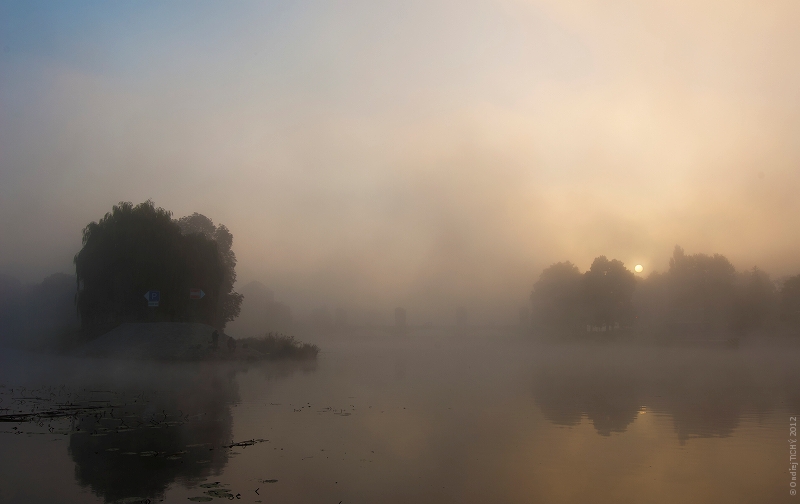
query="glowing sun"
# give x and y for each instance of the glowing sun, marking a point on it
(638, 268)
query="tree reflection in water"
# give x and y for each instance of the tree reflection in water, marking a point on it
(155, 437)
(134, 429)
(607, 397)
(705, 392)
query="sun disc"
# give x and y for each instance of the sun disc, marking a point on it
(638, 268)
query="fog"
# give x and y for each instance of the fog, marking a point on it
(425, 418)
(433, 155)
(441, 251)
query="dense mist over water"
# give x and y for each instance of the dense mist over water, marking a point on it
(426, 156)
(476, 251)
(429, 417)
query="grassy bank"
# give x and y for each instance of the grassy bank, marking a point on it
(280, 346)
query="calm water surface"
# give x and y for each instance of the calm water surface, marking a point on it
(424, 418)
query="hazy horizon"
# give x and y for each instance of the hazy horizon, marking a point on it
(429, 155)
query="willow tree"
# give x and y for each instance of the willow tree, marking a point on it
(230, 302)
(136, 249)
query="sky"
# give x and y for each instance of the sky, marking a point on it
(426, 154)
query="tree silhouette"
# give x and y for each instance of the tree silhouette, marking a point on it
(790, 302)
(756, 302)
(699, 294)
(230, 302)
(701, 288)
(608, 287)
(135, 249)
(557, 296)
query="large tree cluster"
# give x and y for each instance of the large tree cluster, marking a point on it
(565, 298)
(136, 249)
(698, 293)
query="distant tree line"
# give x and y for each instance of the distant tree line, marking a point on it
(41, 316)
(697, 294)
(136, 249)
(261, 313)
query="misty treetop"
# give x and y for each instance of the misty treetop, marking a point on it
(608, 287)
(698, 293)
(136, 249)
(565, 298)
(557, 297)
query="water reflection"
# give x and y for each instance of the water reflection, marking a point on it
(416, 420)
(153, 438)
(608, 397)
(134, 428)
(704, 392)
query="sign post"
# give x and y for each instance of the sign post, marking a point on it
(153, 297)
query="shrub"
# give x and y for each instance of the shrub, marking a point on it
(281, 346)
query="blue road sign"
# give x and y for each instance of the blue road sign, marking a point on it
(153, 297)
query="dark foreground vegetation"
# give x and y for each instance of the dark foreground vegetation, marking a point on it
(189, 342)
(132, 251)
(698, 296)
(280, 346)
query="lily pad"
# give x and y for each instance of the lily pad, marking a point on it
(220, 493)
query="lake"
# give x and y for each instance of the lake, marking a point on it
(426, 417)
